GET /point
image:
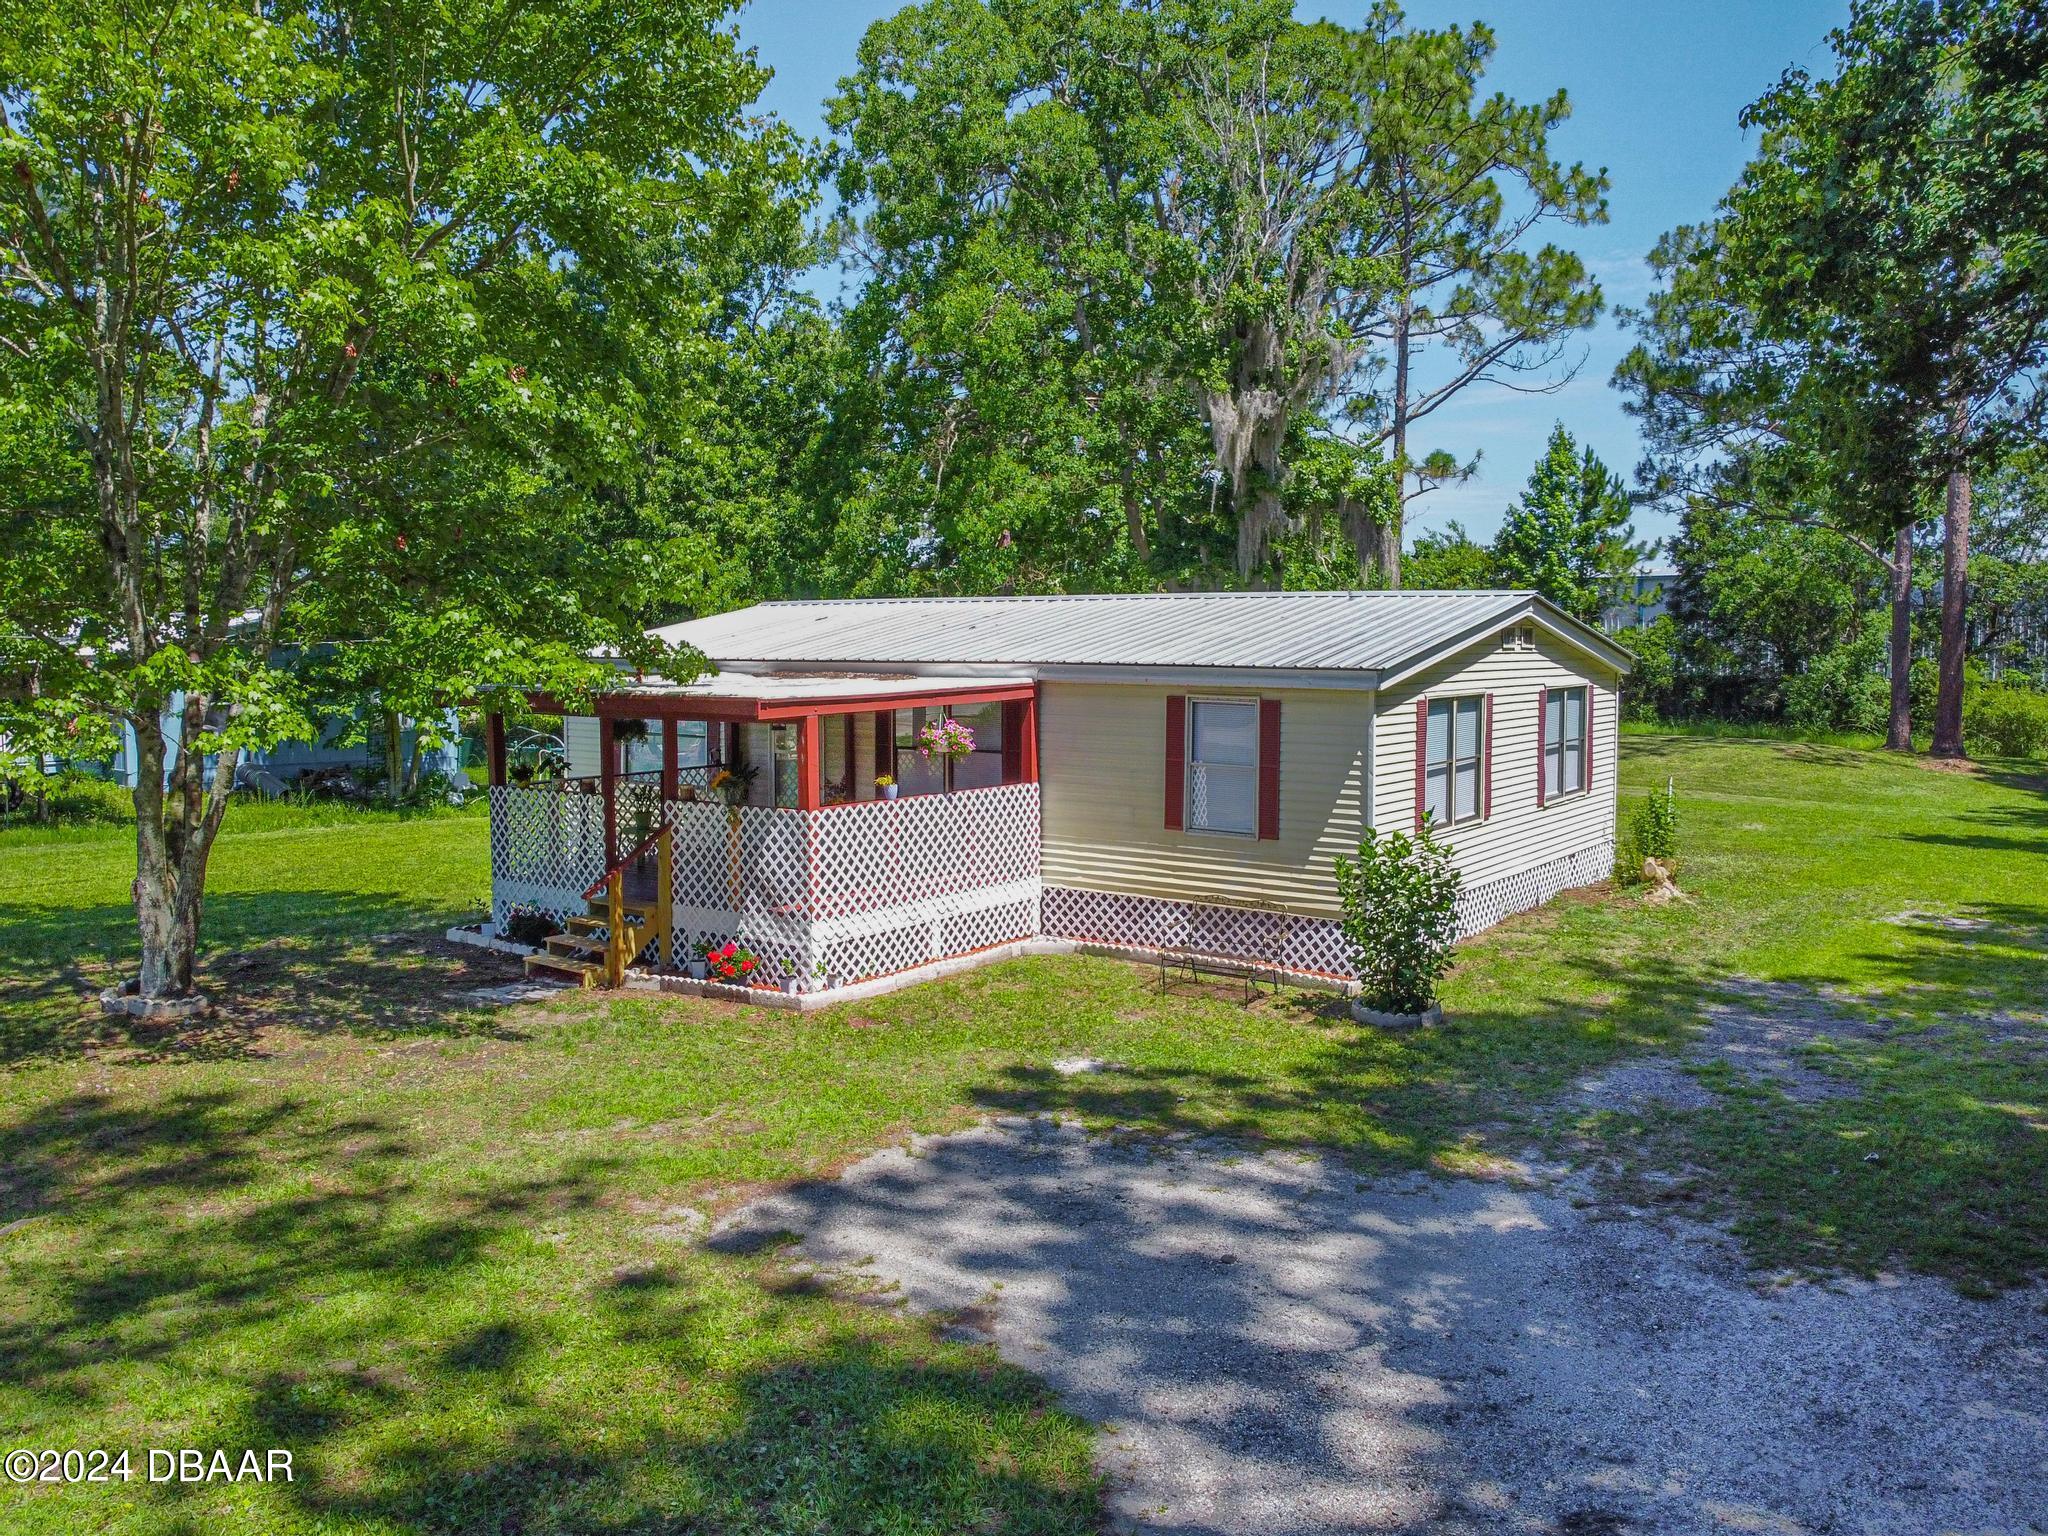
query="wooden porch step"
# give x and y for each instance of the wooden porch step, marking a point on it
(585, 925)
(600, 912)
(574, 944)
(587, 972)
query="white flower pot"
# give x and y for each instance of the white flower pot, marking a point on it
(699, 970)
(889, 791)
(1434, 1014)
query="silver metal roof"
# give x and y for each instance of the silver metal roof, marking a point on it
(1373, 632)
(810, 687)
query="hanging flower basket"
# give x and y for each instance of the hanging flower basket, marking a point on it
(946, 740)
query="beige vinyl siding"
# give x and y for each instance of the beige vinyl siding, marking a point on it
(1519, 834)
(864, 755)
(1102, 765)
(579, 744)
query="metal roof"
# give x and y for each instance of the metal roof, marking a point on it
(812, 687)
(1305, 632)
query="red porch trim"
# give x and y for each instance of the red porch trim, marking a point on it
(494, 748)
(810, 748)
(608, 784)
(1027, 740)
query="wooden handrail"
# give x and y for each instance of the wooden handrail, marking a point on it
(620, 944)
(618, 866)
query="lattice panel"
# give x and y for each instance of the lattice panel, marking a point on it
(1481, 906)
(878, 854)
(855, 891)
(988, 926)
(547, 848)
(1284, 940)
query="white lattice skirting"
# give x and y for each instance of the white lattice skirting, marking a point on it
(1481, 906)
(841, 894)
(853, 892)
(1302, 946)
(547, 849)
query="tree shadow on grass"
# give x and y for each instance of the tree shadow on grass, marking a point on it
(229, 1210)
(319, 960)
(835, 1427)
(1426, 1097)
(446, 1350)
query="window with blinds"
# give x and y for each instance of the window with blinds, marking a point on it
(1223, 766)
(1564, 741)
(1455, 758)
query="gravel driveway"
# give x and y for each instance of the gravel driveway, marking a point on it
(1273, 1347)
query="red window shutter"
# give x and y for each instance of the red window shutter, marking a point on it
(1486, 765)
(1269, 768)
(1421, 757)
(1589, 736)
(1542, 731)
(1176, 758)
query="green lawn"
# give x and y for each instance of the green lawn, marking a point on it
(441, 1252)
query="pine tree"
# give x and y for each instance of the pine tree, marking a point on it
(1569, 534)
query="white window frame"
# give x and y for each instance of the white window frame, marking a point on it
(1453, 702)
(1554, 787)
(1188, 761)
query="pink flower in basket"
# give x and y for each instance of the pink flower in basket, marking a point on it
(947, 739)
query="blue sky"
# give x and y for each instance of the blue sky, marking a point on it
(1656, 86)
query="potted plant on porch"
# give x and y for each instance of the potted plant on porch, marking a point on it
(885, 786)
(1400, 899)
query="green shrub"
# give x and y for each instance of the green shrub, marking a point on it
(529, 926)
(1652, 833)
(2003, 721)
(1400, 917)
(1649, 689)
(1844, 688)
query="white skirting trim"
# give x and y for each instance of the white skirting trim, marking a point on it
(1306, 950)
(490, 941)
(807, 1002)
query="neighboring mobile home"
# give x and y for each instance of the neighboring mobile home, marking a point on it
(1158, 772)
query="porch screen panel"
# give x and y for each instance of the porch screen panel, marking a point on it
(693, 744)
(983, 767)
(914, 775)
(835, 777)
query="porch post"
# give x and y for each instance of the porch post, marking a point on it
(608, 783)
(1027, 740)
(671, 755)
(494, 748)
(810, 741)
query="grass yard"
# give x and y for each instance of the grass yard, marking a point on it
(441, 1251)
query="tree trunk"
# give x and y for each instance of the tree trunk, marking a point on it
(1134, 514)
(173, 841)
(1387, 543)
(1899, 730)
(393, 766)
(1955, 576)
(412, 760)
